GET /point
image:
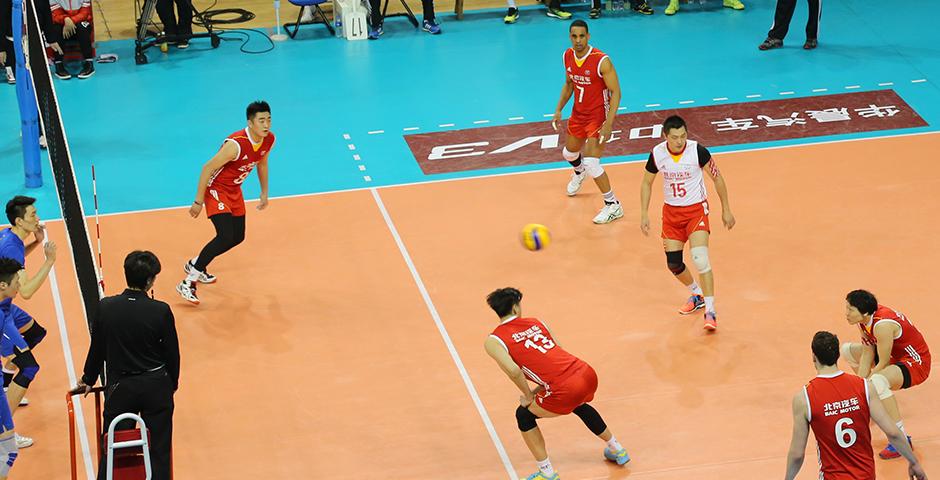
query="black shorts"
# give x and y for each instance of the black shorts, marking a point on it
(906, 373)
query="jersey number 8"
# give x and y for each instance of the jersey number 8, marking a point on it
(845, 436)
(545, 346)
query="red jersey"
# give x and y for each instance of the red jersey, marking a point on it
(839, 417)
(233, 173)
(531, 346)
(910, 344)
(590, 92)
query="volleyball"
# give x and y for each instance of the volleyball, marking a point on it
(535, 237)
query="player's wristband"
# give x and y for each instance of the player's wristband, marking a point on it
(197, 203)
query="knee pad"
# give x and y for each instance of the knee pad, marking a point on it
(845, 351)
(26, 362)
(592, 165)
(700, 259)
(591, 419)
(34, 335)
(882, 386)
(570, 156)
(525, 419)
(674, 262)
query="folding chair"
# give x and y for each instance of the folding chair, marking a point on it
(318, 12)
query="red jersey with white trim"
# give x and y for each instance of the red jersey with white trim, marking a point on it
(233, 173)
(531, 346)
(839, 417)
(590, 92)
(908, 344)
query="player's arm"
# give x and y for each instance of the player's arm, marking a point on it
(646, 189)
(887, 425)
(800, 434)
(609, 74)
(29, 286)
(711, 167)
(496, 350)
(226, 154)
(885, 333)
(866, 360)
(263, 179)
(566, 92)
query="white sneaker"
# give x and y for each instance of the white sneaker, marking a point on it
(609, 213)
(23, 442)
(575, 183)
(307, 15)
(204, 277)
(188, 292)
(10, 78)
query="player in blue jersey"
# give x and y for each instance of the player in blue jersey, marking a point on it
(24, 223)
(10, 341)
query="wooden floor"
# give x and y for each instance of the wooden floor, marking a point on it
(116, 19)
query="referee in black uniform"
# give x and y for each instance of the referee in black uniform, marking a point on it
(136, 337)
(782, 18)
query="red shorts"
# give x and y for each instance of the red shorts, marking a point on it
(914, 372)
(680, 222)
(224, 200)
(586, 125)
(570, 392)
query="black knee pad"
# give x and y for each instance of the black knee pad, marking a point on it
(674, 262)
(525, 419)
(26, 362)
(591, 419)
(34, 335)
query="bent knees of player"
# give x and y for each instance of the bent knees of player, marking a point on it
(34, 334)
(592, 165)
(674, 262)
(525, 419)
(851, 353)
(28, 368)
(570, 156)
(882, 386)
(700, 259)
(574, 144)
(591, 419)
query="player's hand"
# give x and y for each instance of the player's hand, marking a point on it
(645, 225)
(194, 209)
(40, 233)
(526, 400)
(3, 57)
(69, 29)
(263, 201)
(916, 471)
(556, 119)
(80, 389)
(50, 250)
(728, 219)
(56, 48)
(605, 133)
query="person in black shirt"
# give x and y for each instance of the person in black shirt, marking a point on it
(136, 337)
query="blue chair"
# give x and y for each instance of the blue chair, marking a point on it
(318, 13)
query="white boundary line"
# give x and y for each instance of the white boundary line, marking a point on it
(70, 369)
(446, 337)
(474, 177)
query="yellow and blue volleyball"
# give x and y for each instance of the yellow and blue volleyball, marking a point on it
(535, 237)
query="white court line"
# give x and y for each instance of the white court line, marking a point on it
(408, 129)
(719, 99)
(512, 119)
(351, 147)
(921, 80)
(652, 105)
(852, 87)
(367, 178)
(686, 102)
(818, 90)
(346, 136)
(548, 115)
(446, 337)
(886, 84)
(755, 95)
(70, 369)
(445, 125)
(480, 122)
(376, 132)
(787, 93)
(522, 172)
(621, 108)
(356, 157)
(362, 168)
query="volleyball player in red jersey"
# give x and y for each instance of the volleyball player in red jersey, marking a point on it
(527, 352)
(893, 353)
(220, 189)
(838, 407)
(590, 77)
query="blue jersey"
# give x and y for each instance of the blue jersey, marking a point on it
(9, 338)
(11, 247)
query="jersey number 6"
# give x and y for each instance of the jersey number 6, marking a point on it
(845, 436)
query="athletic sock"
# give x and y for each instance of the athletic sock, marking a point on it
(610, 198)
(900, 425)
(614, 445)
(710, 304)
(545, 466)
(512, 3)
(695, 288)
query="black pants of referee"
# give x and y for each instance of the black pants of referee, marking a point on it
(151, 396)
(82, 34)
(784, 14)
